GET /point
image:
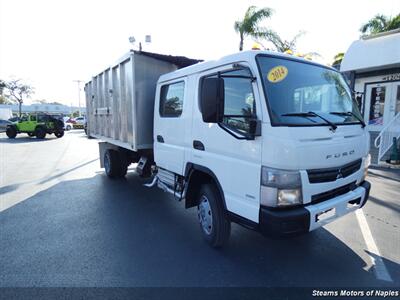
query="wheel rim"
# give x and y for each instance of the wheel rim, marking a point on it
(107, 163)
(205, 215)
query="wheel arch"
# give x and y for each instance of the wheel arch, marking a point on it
(196, 175)
(12, 126)
(40, 126)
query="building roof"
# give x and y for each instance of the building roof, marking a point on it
(381, 51)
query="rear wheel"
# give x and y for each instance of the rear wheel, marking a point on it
(59, 134)
(214, 223)
(114, 165)
(68, 127)
(11, 132)
(40, 133)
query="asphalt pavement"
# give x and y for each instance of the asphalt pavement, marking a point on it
(64, 223)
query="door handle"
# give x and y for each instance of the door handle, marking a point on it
(160, 139)
(198, 145)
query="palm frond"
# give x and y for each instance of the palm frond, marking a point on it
(237, 26)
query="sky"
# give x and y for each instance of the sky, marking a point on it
(51, 43)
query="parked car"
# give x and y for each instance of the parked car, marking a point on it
(79, 123)
(36, 124)
(3, 125)
(68, 125)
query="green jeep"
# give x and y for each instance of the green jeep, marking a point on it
(38, 124)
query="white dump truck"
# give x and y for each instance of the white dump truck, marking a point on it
(273, 142)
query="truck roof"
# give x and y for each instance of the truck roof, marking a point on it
(178, 61)
(229, 59)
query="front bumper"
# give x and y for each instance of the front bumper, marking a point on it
(289, 222)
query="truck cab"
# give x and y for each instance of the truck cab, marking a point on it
(270, 141)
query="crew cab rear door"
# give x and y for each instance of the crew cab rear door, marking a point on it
(170, 124)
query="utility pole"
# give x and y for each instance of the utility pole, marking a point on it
(79, 95)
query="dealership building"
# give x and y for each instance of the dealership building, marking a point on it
(372, 65)
(46, 107)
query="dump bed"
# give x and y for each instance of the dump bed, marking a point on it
(120, 100)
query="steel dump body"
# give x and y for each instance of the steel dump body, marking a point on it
(120, 100)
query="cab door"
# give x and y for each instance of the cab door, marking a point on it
(235, 161)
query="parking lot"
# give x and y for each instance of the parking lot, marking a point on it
(64, 223)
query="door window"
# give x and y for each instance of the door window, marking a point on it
(171, 99)
(240, 105)
(397, 104)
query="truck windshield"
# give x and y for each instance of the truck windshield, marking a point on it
(303, 94)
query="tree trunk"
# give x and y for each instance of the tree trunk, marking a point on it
(241, 42)
(20, 108)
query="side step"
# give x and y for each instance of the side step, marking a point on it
(163, 181)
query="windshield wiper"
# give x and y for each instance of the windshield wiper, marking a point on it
(310, 114)
(348, 113)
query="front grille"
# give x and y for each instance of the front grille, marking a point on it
(331, 174)
(333, 193)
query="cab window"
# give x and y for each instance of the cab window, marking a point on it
(171, 99)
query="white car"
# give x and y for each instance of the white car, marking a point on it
(67, 124)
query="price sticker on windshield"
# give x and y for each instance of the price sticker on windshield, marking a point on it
(277, 74)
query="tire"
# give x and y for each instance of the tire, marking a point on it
(114, 165)
(68, 127)
(30, 134)
(40, 133)
(214, 223)
(11, 132)
(59, 134)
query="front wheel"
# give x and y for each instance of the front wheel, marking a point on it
(214, 223)
(31, 134)
(59, 134)
(11, 132)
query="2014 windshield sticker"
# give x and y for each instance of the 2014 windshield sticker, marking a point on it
(277, 74)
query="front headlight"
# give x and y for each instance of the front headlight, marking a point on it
(280, 187)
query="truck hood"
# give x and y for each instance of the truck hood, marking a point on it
(313, 147)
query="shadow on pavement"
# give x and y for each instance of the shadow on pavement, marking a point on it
(68, 171)
(385, 173)
(101, 232)
(26, 139)
(390, 205)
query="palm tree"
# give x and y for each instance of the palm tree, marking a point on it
(380, 23)
(337, 60)
(282, 45)
(250, 25)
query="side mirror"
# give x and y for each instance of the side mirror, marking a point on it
(212, 98)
